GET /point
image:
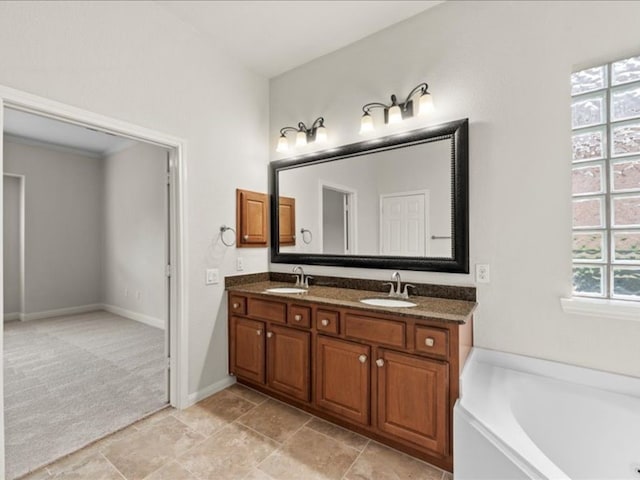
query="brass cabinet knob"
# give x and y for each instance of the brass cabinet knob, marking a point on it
(246, 237)
(429, 342)
(269, 334)
(297, 318)
(324, 322)
(258, 332)
(236, 305)
(380, 362)
(362, 358)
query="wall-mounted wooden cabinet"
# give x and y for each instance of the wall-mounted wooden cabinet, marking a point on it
(287, 219)
(252, 218)
(394, 378)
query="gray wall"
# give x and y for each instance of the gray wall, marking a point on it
(63, 225)
(11, 246)
(135, 222)
(506, 66)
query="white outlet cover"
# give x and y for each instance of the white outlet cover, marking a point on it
(212, 276)
(483, 273)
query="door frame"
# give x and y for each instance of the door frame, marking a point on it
(22, 180)
(353, 213)
(425, 193)
(178, 328)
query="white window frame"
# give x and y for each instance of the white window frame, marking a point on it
(607, 304)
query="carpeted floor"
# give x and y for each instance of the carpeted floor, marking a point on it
(71, 380)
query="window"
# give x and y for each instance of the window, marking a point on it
(605, 122)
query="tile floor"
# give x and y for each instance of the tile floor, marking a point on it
(237, 434)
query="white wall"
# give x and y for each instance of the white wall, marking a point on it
(506, 66)
(136, 62)
(11, 245)
(63, 225)
(134, 251)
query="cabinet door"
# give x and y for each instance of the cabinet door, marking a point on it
(246, 349)
(252, 218)
(343, 378)
(288, 361)
(412, 399)
(287, 219)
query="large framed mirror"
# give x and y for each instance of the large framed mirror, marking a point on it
(398, 202)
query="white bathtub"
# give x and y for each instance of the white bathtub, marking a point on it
(521, 418)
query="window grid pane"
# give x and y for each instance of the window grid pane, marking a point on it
(605, 120)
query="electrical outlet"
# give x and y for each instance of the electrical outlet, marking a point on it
(482, 273)
(239, 264)
(212, 276)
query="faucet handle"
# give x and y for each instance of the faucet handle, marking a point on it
(298, 282)
(405, 293)
(306, 281)
(392, 292)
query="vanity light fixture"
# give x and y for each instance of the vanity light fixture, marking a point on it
(316, 133)
(396, 112)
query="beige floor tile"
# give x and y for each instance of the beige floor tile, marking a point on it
(68, 462)
(256, 474)
(171, 471)
(230, 453)
(154, 418)
(309, 455)
(247, 393)
(382, 463)
(41, 474)
(214, 412)
(275, 420)
(350, 439)
(147, 450)
(95, 467)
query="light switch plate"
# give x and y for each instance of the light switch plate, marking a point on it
(212, 276)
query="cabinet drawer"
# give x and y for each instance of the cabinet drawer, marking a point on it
(237, 305)
(328, 321)
(300, 316)
(434, 341)
(267, 310)
(377, 330)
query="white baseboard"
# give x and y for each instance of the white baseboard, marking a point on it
(210, 390)
(138, 317)
(60, 312)
(10, 317)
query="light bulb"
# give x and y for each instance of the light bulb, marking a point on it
(301, 138)
(395, 115)
(283, 144)
(321, 134)
(426, 104)
(366, 124)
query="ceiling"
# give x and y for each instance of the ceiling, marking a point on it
(271, 37)
(56, 132)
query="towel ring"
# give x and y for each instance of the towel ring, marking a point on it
(223, 229)
(304, 239)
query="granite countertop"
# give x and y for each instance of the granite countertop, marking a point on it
(458, 311)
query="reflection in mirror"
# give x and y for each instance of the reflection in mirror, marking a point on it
(396, 202)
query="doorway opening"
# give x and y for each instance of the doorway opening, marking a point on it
(338, 232)
(78, 327)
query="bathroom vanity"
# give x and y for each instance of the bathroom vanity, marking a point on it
(391, 374)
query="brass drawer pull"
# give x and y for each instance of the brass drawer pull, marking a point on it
(236, 305)
(429, 341)
(269, 334)
(297, 318)
(324, 322)
(362, 358)
(380, 362)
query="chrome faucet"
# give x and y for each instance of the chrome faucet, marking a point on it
(398, 292)
(302, 280)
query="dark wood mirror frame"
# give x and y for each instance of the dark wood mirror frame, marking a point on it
(458, 134)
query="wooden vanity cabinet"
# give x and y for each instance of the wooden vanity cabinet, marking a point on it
(393, 378)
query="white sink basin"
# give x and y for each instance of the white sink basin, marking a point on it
(286, 290)
(387, 302)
